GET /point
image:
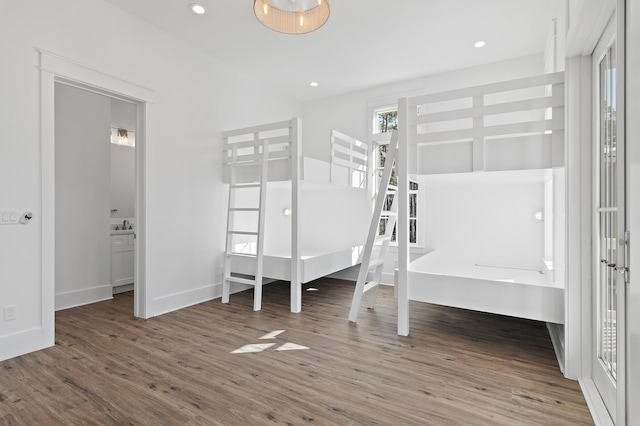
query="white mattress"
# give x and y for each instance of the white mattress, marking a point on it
(487, 288)
(494, 272)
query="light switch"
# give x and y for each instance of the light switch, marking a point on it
(9, 217)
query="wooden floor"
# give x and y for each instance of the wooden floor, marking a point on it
(456, 368)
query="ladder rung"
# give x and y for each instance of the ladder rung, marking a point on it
(242, 232)
(392, 187)
(254, 163)
(244, 209)
(388, 213)
(241, 280)
(245, 185)
(370, 286)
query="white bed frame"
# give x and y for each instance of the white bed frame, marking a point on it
(486, 288)
(347, 168)
(490, 139)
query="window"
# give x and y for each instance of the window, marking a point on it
(385, 119)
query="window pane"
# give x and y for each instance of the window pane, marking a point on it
(413, 234)
(413, 205)
(386, 121)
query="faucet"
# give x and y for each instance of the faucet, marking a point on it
(125, 224)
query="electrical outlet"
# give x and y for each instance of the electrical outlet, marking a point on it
(10, 313)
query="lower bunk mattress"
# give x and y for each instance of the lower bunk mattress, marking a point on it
(493, 288)
(314, 263)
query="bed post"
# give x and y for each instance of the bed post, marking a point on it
(296, 286)
(402, 229)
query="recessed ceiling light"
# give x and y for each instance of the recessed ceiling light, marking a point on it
(197, 8)
(313, 84)
(479, 44)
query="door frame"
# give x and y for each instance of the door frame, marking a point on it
(56, 68)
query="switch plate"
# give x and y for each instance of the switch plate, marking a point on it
(9, 217)
(10, 313)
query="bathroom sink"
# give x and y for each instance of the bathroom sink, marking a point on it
(121, 231)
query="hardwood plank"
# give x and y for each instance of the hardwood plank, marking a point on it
(456, 368)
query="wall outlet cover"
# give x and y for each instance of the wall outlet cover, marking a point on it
(10, 313)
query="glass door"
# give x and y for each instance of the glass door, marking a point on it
(609, 221)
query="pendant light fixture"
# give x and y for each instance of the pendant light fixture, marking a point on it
(292, 16)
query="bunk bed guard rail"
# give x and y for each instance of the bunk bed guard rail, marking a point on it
(510, 125)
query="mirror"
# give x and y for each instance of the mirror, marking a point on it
(123, 155)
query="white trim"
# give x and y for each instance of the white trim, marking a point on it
(71, 299)
(596, 407)
(55, 68)
(578, 216)
(556, 333)
(183, 299)
(25, 341)
(93, 79)
(632, 129)
(590, 21)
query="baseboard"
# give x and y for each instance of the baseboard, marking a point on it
(71, 299)
(556, 332)
(173, 302)
(595, 404)
(122, 288)
(23, 342)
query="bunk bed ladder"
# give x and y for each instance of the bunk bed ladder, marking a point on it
(376, 265)
(234, 187)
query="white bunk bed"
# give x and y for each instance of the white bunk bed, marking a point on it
(511, 125)
(303, 239)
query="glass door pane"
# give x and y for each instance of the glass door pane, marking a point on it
(608, 216)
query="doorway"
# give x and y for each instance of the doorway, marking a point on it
(95, 196)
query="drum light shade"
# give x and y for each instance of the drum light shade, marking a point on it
(292, 16)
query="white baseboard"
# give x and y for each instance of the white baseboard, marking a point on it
(122, 288)
(71, 299)
(556, 332)
(23, 342)
(173, 302)
(596, 406)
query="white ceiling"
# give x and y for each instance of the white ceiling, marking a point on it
(365, 43)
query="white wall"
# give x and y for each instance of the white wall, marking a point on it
(82, 202)
(196, 98)
(486, 218)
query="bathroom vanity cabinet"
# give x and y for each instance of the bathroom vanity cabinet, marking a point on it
(122, 259)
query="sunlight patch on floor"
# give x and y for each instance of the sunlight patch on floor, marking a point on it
(260, 347)
(252, 348)
(272, 335)
(291, 347)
